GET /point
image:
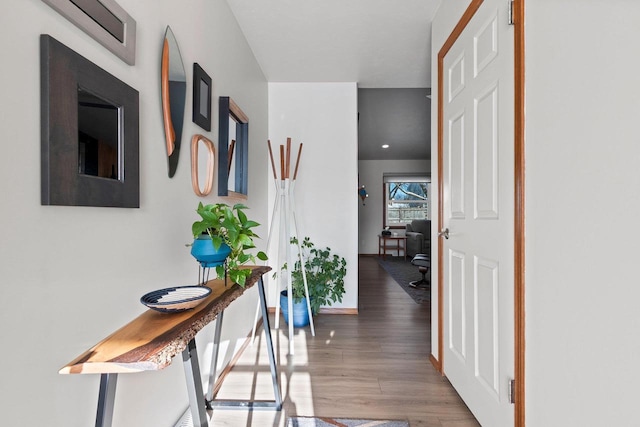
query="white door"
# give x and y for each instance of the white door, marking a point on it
(478, 211)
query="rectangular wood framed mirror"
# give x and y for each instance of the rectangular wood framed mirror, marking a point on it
(233, 150)
(89, 132)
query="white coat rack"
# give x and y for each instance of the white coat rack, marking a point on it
(284, 211)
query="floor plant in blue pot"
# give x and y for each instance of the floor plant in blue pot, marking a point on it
(222, 238)
(325, 273)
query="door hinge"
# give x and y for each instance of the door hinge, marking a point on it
(512, 391)
(510, 19)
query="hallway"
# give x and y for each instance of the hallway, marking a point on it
(373, 365)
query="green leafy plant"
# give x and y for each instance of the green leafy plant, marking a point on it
(325, 275)
(231, 226)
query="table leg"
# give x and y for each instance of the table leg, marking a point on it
(194, 385)
(258, 404)
(106, 398)
(404, 249)
(214, 357)
(267, 333)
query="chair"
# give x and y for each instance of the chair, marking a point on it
(423, 262)
(418, 234)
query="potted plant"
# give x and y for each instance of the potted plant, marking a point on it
(229, 232)
(325, 274)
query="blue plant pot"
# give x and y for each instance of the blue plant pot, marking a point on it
(300, 312)
(204, 252)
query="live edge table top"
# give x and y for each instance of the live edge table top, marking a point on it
(151, 340)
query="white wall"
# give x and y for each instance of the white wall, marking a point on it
(582, 244)
(370, 215)
(72, 275)
(322, 116)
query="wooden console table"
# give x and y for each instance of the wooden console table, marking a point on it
(383, 245)
(150, 342)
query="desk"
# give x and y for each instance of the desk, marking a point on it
(387, 242)
(151, 340)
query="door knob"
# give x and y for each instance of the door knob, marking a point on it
(444, 233)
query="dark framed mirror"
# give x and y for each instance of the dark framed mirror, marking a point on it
(201, 97)
(89, 127)
(173, 80)
(233, 149)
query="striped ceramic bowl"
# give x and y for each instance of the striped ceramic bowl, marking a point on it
(172, 300)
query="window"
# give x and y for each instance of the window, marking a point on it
(406, 199)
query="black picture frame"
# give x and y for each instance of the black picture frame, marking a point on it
(201, 97)
(64, 73)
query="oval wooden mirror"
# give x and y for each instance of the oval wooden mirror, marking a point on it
(195, 165)
(174, 92)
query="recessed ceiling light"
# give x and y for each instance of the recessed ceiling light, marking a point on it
(385, 146)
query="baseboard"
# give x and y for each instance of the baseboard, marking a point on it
(328, 310)
(436, 363)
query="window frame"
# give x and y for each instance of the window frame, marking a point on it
(388, 179)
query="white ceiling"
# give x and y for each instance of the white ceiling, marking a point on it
(376, 43)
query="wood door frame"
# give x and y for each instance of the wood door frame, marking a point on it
(519, 199)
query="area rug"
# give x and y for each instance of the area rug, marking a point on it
(403, 272)
(342, 422)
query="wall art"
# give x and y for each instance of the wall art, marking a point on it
(195, 160)
(233, 149)
(173, 82)
(89, 132)
(201, 98)
(105, 21)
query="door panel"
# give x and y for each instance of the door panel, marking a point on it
(456, 77)
(456, 165)
(457, 304)
(487, 323)
(486, 154)
(485, 45)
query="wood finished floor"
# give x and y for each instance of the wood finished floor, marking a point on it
(373, 365)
